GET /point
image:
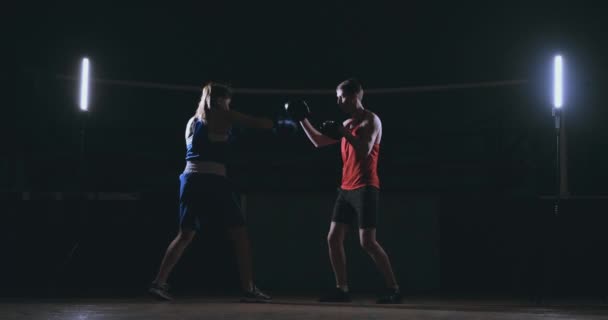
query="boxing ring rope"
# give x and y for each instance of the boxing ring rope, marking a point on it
(261, 91)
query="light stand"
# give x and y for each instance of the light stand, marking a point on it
(81, 181)
(557, 114)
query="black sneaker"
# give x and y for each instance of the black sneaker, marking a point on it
(336, 295)
(255, 296)
(160, 291)
(390, 296)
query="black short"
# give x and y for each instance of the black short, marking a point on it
(361, 203)
(208, 199)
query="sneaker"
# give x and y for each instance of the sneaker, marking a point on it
(336, 295)
(160, 291)
(390, 296)
(255, 296)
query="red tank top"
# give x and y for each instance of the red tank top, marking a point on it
(357, 173)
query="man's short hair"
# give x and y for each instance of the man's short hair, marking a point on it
(350, 86)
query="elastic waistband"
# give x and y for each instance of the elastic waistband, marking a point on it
(206, 167)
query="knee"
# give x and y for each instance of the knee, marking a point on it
(369, 245)
(334, 239)
(185, 237)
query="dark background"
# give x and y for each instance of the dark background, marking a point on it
(462, 171)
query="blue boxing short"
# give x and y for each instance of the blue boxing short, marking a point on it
(208, 199)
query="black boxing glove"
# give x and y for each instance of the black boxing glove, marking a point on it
(331, 129)
(298, 110)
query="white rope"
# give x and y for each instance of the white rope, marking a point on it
(254, 91)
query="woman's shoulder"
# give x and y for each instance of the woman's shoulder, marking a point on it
(192, 125)
(195, 122)
(191, 121)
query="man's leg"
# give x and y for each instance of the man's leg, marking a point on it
(341, 220)
(369, 243)
(367, 237)
(335, 241)
(337, 256)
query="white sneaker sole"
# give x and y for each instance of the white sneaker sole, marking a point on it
(159, 294)
(255, 300)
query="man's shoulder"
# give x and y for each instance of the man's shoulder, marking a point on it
(372, 117)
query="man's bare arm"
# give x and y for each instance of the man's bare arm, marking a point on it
(317, 138)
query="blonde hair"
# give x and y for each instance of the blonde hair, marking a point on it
(211, 91)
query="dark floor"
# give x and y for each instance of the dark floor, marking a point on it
(297, 308)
